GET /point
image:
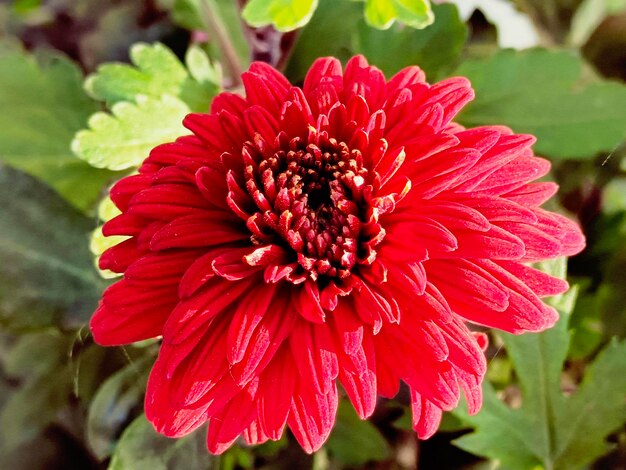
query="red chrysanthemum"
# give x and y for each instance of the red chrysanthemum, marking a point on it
(342, 232)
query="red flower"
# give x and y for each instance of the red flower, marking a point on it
(342, 232)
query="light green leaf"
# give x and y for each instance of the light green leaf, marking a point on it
(156, 72)
(550, 430)
(43, 106)
(25, 6)
(123, 139)
(113, 404)
(337, 29)
(285, 15)
(354, 441)
(540, 92)
(46, 274)
(381, 14)
(202, 70)
(142, 448)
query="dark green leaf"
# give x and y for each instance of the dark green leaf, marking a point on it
(142, 448)
(355, 441)
(113, 404)
(46, 273)
(433, 48)
(337, 29)
(331, 32)
(43, 106)
(540, 92)
(38, 362)
(35, 354)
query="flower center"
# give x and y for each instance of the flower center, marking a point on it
(310, 197)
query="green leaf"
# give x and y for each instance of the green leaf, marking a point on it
(123, 139)
(39, 361)
(355, 441)
(382, 14)
(111, 408)
(46, 274)
(43, 106)
(142, 448)
(586, 323)
(35, 354)
(337, 29)
(540, 92)
(550, 430)
(25, 6)
(157, 72)
(331, 32)
(594, 411)
(285, 15)
(433, 48)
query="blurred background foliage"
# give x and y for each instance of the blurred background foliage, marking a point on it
(87, 87)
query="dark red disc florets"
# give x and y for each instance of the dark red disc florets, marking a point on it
(311, 197)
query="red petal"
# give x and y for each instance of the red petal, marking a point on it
(124, 224)
(265, 87)
(357, 374)
(307, 302)
(167, 201)
(277, 386)
(313, 351)
(226, 425)
(109, 329)
(426, 416)
(533, 194)
(160, 268)
(197, 230)
(255, 435)
(325, 71)
(274, 328)
(247, 316)
(230, 264)
(312, 416)
(213, 298)
(119, 257)
(452, 94)
(405, 78)
(539, 282)
(464, 283)
(361, 79)
(231, 102)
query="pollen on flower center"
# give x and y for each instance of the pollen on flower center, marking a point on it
(309, 195)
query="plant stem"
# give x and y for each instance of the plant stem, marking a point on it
(216, 30)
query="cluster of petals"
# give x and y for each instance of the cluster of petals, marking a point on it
(304, 243)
